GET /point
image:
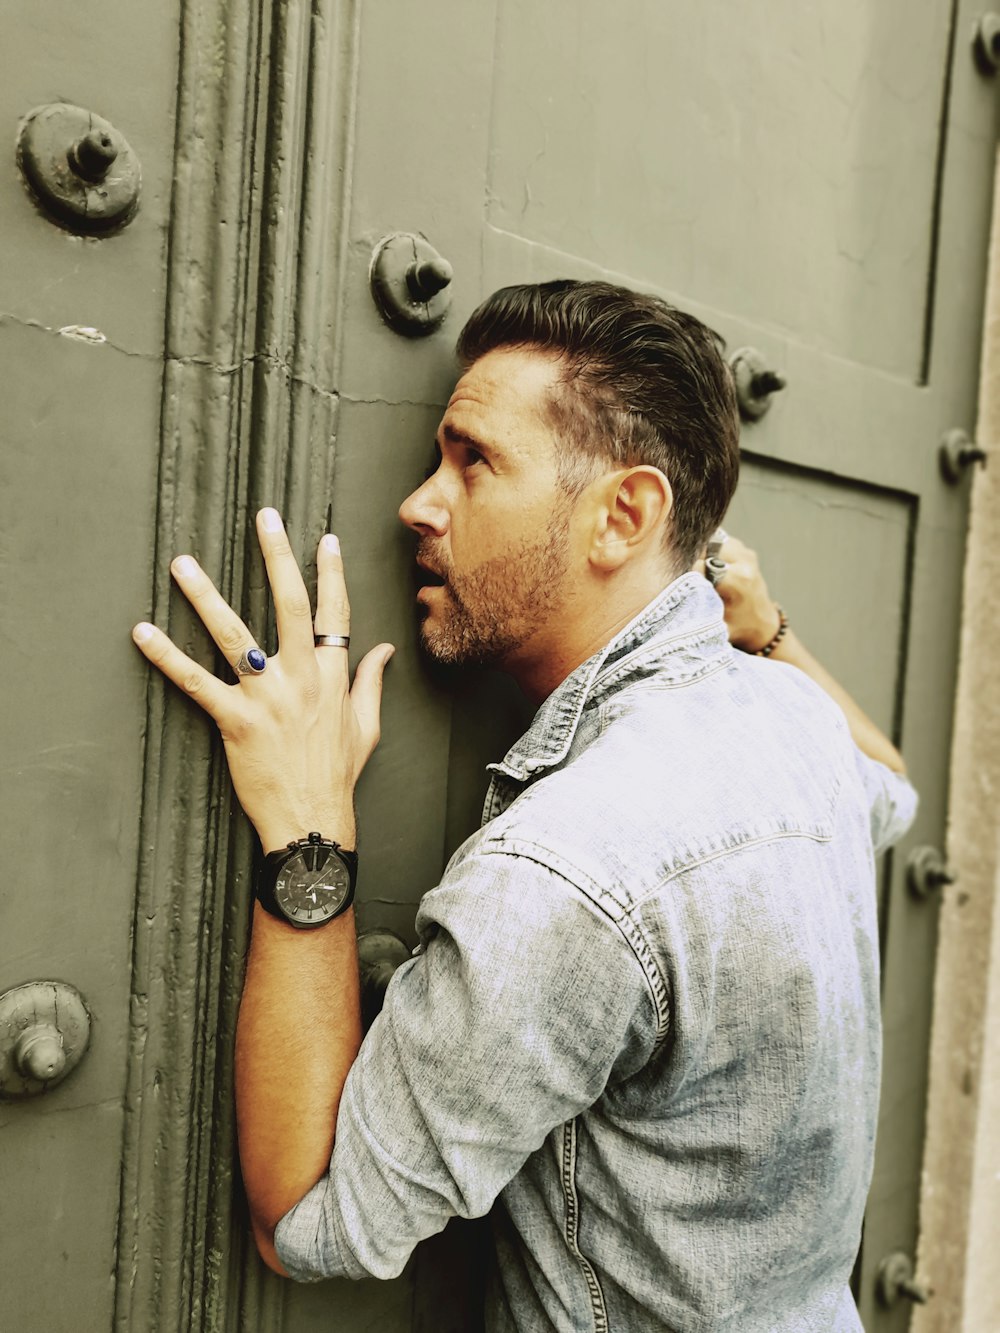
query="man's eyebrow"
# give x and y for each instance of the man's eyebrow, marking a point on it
(455, 436)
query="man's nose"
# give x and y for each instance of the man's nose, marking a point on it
(424, 510)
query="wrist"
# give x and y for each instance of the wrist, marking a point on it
(333, 826)
(762, 632)
(779, 635)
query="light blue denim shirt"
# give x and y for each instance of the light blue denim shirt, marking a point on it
(642, 1024)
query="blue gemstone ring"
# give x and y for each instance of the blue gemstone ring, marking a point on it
(252, 663)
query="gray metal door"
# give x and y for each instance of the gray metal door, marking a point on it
(812, 180)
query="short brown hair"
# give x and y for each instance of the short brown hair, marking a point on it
(644, 383)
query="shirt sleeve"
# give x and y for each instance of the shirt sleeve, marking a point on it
(892, 801)
(522, 1002)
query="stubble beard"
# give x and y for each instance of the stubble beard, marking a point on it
(490, 612)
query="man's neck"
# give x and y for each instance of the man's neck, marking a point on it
(583, 627)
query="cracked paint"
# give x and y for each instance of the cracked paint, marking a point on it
(83, 333)
(95, 338)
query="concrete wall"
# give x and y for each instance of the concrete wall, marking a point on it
(960, 1235)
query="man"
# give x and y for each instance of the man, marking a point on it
(642, 1022)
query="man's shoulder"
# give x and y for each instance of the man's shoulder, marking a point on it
(663, 778)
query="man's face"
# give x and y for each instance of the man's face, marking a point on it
(493, 520)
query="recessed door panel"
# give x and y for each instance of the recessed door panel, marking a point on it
(827, 544)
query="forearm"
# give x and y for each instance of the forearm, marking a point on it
(869, 738)
(298, 1035)
(297, 735)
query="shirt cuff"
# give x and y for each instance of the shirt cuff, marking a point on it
(309, 1242)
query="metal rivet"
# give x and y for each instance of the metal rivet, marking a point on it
(895, 1279)
(39, 1053)
(93, 157)
(428, 278)
(78, 167)
(410, 283)
(958, 452)
(986, 43)
(44, 1032)
(927, 871)
(755, 382)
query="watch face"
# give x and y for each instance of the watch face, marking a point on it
(312, 886)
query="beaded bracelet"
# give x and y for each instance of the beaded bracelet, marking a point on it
(769, 648)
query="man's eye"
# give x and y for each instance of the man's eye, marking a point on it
(472, 457)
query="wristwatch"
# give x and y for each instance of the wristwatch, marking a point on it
(308, 883)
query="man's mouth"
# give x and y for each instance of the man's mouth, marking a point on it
(429, 578)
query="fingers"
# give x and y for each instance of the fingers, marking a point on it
(226, 628)
(198, 684)
(734, 551)
(292, 609)
(715, 542)
(333, 610)
(366, 693)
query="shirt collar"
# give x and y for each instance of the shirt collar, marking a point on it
(686, 617)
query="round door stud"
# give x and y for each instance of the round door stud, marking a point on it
(410, 283)
(78, 167)
(986, 43)
(957, 453)
(44, 1031)
(927, 871)
(755, 381)
(895, 1281)
(380, 952)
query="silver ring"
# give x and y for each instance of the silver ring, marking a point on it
(252, 663)
(715, 570)
(332, 640)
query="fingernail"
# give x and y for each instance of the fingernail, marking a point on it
(270, 520)
(331, 544)
(185, 566)
(142, 632)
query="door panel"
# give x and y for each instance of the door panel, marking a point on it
(834, 544)
(78, 476)
(777, 165)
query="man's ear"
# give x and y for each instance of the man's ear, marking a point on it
(632, 508)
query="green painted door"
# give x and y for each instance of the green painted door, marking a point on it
(812, 180)
(81, 361)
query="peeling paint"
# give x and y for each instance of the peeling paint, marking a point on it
(94, 337)
(83, 333)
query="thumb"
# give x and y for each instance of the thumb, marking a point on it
(366, 692)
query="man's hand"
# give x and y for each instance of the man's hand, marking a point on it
(296, 735)
(751, 615)
(752, 620)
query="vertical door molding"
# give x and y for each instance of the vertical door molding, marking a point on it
(249, 409)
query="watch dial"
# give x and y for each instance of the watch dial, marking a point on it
(312, 886)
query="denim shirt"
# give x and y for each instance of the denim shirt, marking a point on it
(642, 1022)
